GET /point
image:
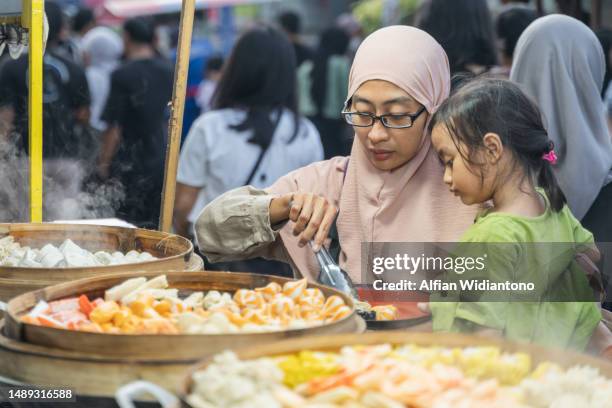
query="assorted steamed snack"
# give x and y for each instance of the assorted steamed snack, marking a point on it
(141, 306)
(67, 255)
(385, 376)
(381, 312)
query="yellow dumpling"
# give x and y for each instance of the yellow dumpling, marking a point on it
(104, 313)
(140, 305)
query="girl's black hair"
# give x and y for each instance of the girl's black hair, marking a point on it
(464, 29)
(334, 41)
(259, 77)
(499, 106)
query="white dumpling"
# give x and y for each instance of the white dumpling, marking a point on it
(212, 298)
(196, 401)
(145, 256)
(4, 253)
(194, 300)
(19, 252)
(6, 241)
(16, 246)
(117, 258)
(11, 261)
(47, 249)
(29, 260)
(52, 258)
(68, 254)
(104, 257)
(77, 260)
(189, 322)
(69, 247)
(133, 254)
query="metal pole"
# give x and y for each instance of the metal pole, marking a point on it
(596, 10)
(34, 11)
(539, 8)
(175, 125)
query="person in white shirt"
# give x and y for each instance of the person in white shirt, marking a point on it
(253, 136)
(206, 89)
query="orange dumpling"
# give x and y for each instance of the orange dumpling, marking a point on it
(270, 290)
(294, 289)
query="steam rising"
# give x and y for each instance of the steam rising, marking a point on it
(68, 190)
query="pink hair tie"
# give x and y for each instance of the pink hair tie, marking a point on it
(550, 157)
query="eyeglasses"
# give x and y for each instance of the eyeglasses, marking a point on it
(389, 120)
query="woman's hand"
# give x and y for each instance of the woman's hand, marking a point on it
(312, 214)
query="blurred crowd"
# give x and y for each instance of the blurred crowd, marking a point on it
(271, 105)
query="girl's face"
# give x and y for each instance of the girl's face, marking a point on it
(472, 183)
(388, 149)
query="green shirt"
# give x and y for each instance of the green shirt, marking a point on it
(338, 68)
(551, 267)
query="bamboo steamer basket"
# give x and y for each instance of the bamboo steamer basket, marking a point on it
(175, 253)
(87, 374)
(159, 348)
(538, 354)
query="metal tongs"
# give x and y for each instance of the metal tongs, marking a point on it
(332, 275)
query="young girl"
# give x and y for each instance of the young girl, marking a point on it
(494, 147)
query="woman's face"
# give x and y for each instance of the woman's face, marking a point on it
(388, 149)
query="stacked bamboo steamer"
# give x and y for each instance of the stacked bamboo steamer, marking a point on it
(174, 253)
(96, 364)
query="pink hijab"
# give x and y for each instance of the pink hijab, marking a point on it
(408, 204)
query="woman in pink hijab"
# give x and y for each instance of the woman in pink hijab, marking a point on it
(389, 189)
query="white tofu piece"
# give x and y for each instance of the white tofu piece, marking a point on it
(123, 289)
(160, 294)
(159, 282)
(40, 308)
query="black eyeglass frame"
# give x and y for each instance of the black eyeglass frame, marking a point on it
(413, 117)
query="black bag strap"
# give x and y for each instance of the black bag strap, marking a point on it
(264, 150)
(334, 244)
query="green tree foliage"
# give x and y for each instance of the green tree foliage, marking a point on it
(370, 13)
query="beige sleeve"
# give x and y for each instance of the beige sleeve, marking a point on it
(236, 226)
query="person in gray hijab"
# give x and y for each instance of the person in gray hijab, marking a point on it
(102, 49)
(560, 63)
